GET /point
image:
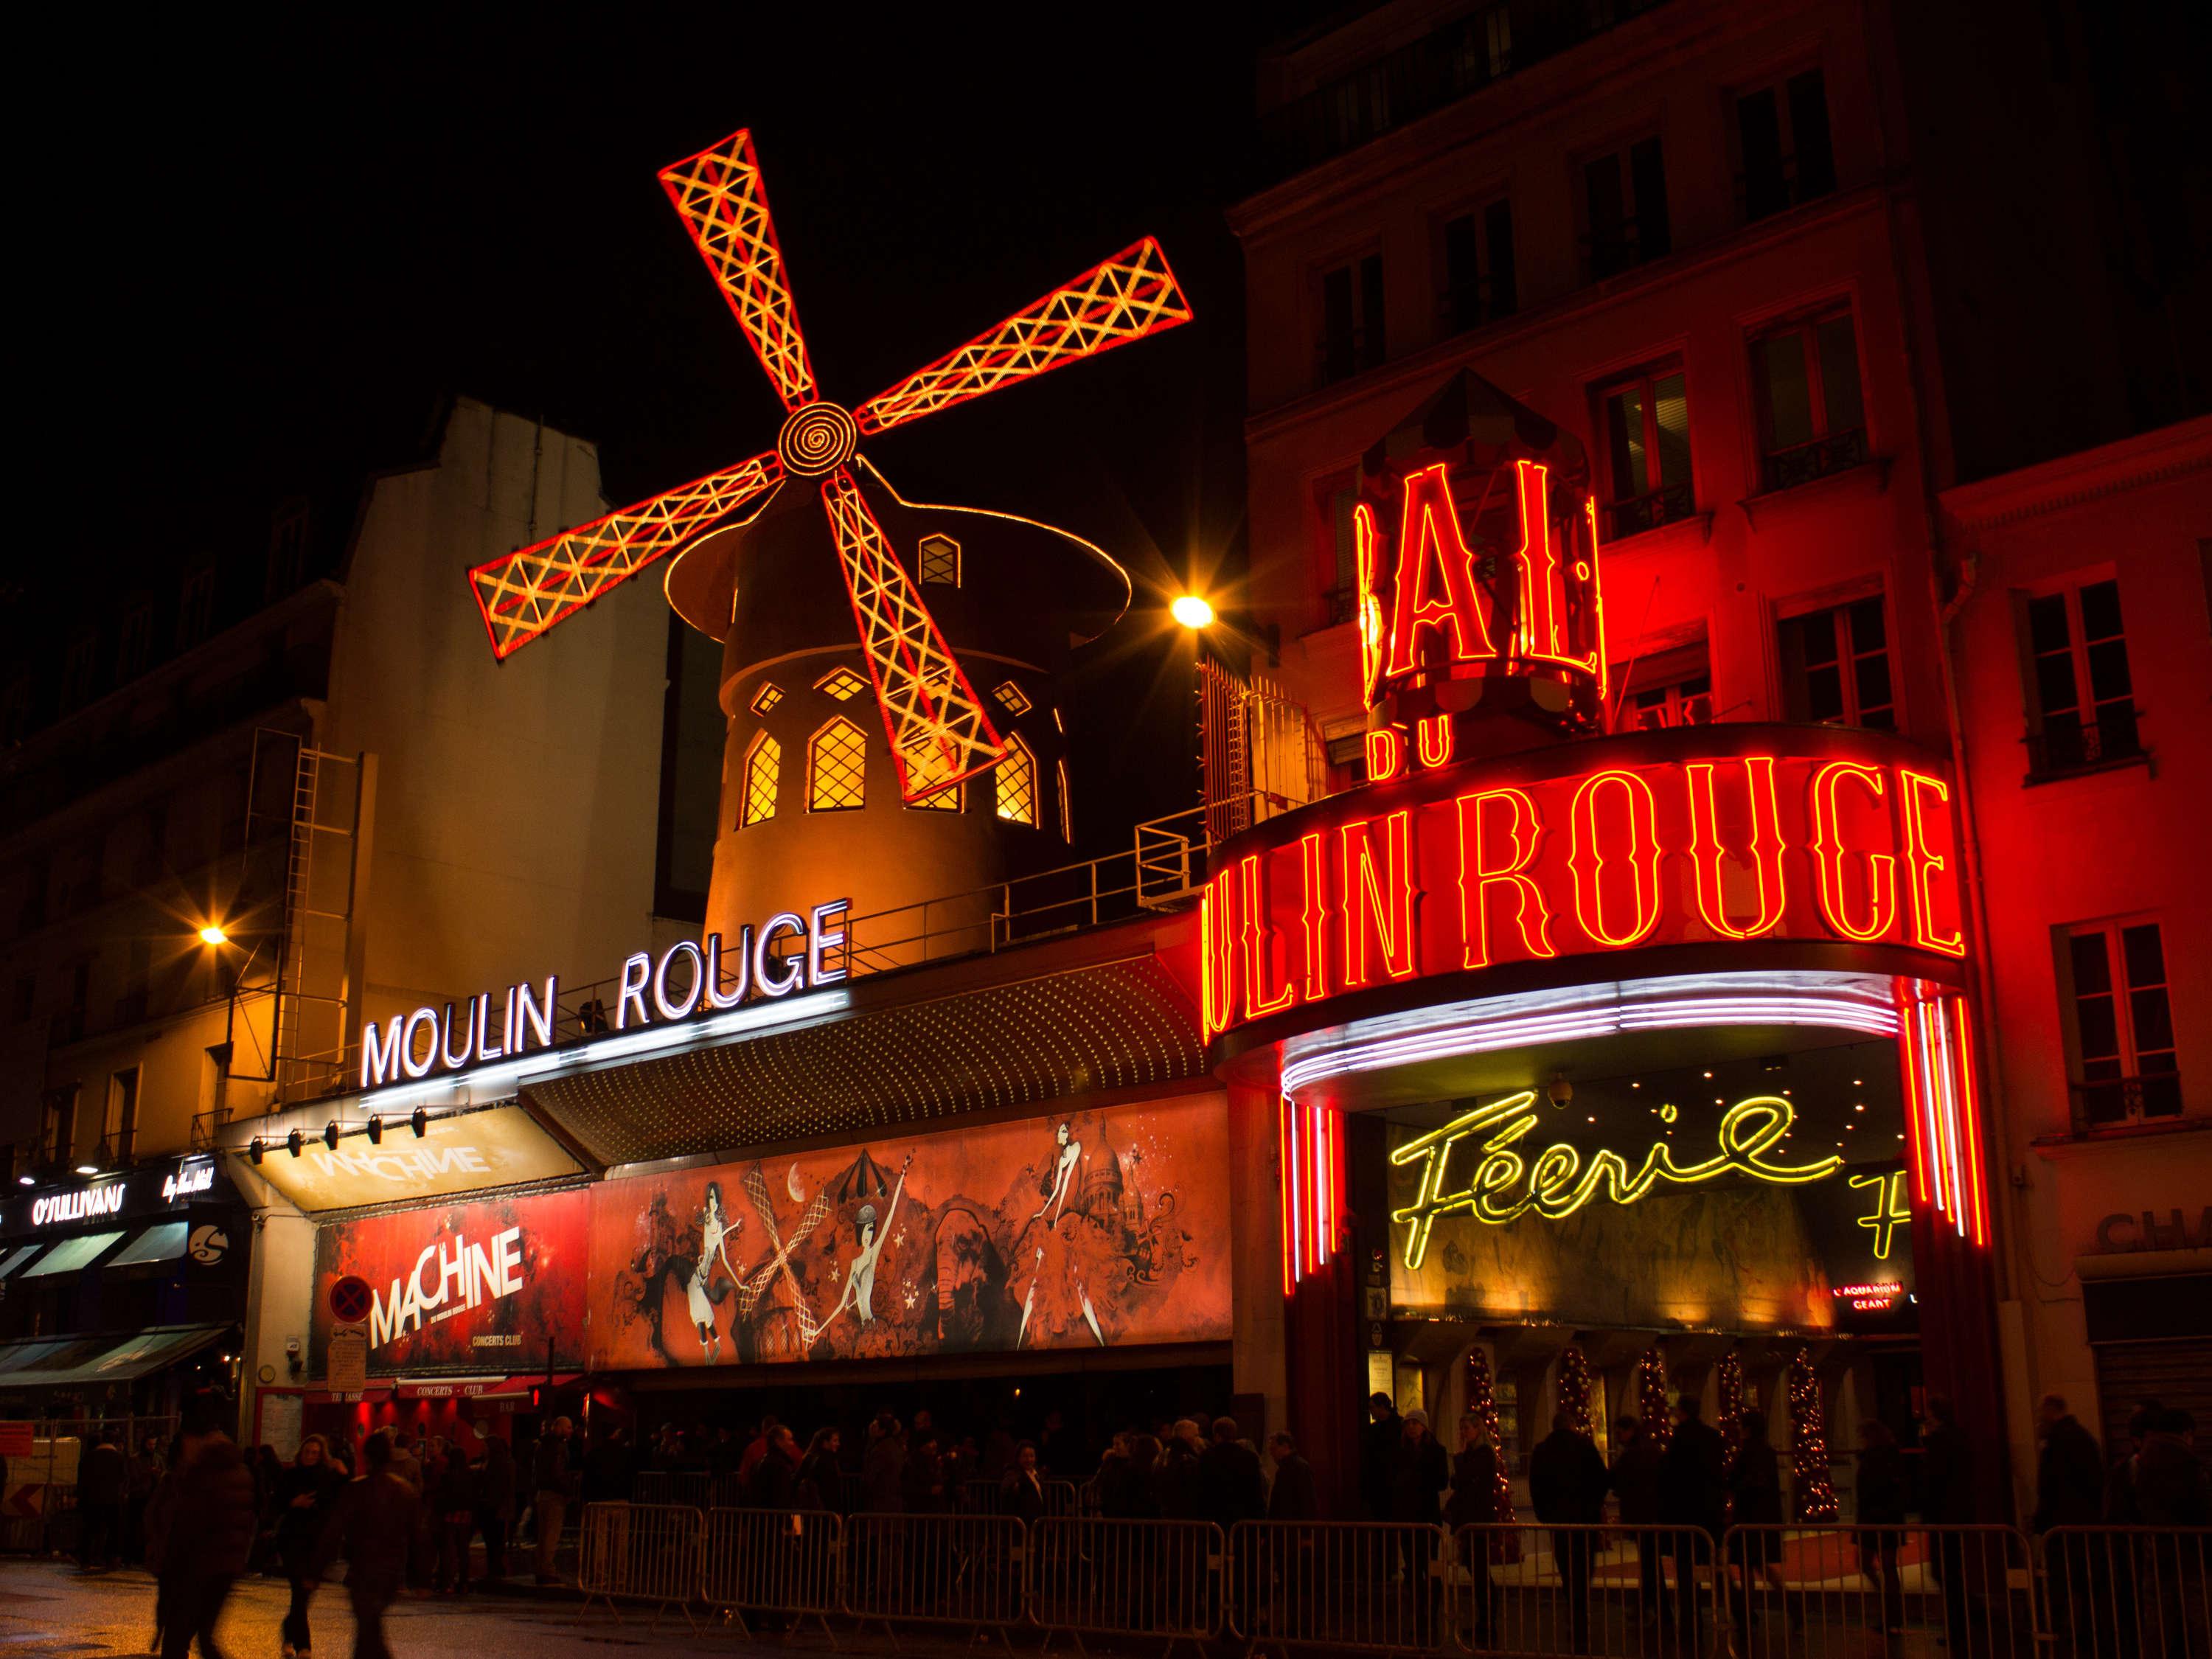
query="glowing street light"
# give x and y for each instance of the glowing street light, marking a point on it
(213, 934)
(1192, 611)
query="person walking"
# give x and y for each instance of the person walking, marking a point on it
(1947, 1463)
(1228, 1482)
(882, 1467)
(305, 1493)
(1474, 1502)
(455, 1520)
(551, 1478)
(2069, 1491)
(102, 1479)
(818, 1486)
(1881, 1503)
(372, 1526)
(1176, 1478)
(209, 1537)
(496, 1505)
(147, 1469)
(1292, 1496)
(1419, 1474)
(1755, 1516)
(1378, 1451)
(1567, 1481)
(1021, 1489)
(1692, 1505)
(1634, 1479)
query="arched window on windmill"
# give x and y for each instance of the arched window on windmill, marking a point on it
(763, 763)
(927, 761)
(1018, 783)
(836, 767)
(1066, 809)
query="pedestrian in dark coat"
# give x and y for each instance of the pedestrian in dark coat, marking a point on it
(304, 1498)
(1947, 1463)
(1293, 1497)
(147, 1469)
(817, 1486)
(2069, 1471)
(496, 1505)
(1378, 1451)
(1128, 1485)
(1021, 1490)
(455, 1520)
(774, 1472)
(1881, 1500)
(1174, 1478)
(1230, 1486)
(1419, 1475)
(1474, 1502)
(921, 1482)
(1634, 1479)
(883, 1468)
(209, 1538)
(1754, 1486)
(1567, 1482)
(1692, 1504)
(103, 1477)
(372, 1526)
(2169, 1483)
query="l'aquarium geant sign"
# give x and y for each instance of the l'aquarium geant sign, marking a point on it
(712, 979)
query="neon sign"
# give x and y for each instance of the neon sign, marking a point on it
(1721, 836)
(787, 952)
(1506, 1184)
(1890, 1210)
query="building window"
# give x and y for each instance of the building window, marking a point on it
(2081, 707)
(80, 669)
(58, 1126)
(928, 762)
(120, 1133)
(288, 552)
(1476, 253)
(1351, 318)
(1646, 422)
(1782, 143)
(1679, 702)
(1017, 784)
(1625, 209)
(195, 606)
(842, 684)
(1066, 806)
(940, 560)
(1835, 666)
(1339, 551)
(766, 698)
(837, 768)
(1812, 420)
(763, 764)
(134, 640)
(1012, 697)
(2123, 1025)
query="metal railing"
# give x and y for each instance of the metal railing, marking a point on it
(986, 1497)
(1613, 1591)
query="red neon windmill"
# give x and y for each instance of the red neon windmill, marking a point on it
(925, 698)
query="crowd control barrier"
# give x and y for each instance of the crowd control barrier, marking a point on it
(1603, 1590)
(640, 1552)
(2127, 1592)
(1811, 1592)
(935, 1569)
(1092, 1577)
(1348, 1586)
(981, 1497)
(784, 1564)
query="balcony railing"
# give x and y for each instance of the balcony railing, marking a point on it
(2111, 1101)
(1839, 451)
(1641, 513)
(2069, 743)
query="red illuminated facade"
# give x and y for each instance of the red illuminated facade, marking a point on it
(1673, 721)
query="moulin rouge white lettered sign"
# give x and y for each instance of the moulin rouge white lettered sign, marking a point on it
(787, 952)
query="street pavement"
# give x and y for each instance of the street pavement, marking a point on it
(49, 1609)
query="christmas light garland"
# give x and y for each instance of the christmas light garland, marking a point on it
(1575, 1389)
(1731, 1425)
(1815, 1496)
(1482, 1406)
(1651, 1396)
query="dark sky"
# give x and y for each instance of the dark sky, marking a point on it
(271, 249)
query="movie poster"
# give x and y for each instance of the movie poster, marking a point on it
(462, 1288)
(1097, 1229)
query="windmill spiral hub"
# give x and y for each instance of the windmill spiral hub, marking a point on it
(818, 438)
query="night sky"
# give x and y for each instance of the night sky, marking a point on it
(268, 254)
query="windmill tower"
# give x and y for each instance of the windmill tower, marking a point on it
(888, 666)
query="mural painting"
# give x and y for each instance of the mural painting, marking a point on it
(1096, 1230)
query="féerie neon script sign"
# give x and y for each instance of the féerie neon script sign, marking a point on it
(787, 952)
(1504, 1185)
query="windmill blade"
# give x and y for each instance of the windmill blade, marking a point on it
(724, 207)
(817, 1213)
(939, 732)
(755, 1186)
(1117, 301)
(523, 593)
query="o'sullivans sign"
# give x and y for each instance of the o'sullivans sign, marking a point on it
(1721, 835)
(787, 952)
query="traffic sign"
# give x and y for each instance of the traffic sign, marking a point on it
(351, 1298)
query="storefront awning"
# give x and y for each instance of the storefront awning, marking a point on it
(105, 1360)
(19, 1256)
(163, 1241)
(72, 1255)
(16, 1357)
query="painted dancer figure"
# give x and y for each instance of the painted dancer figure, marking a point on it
(859, 1291)
(700, 1296)
(1094, 1189)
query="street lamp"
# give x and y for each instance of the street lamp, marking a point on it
(214, 934)
(1192, 611)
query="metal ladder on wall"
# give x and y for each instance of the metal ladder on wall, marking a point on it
(302, 1061)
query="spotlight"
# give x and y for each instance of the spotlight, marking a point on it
(214, 934)
(1192, 611)
(1561, 1091)
(253, 1150)
(376, 1132)
(294, 1141)
(88, 1169)
(27, 1181)
(331, 1134)
(419, 1121)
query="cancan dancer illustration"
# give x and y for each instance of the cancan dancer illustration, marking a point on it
(859, 1292)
